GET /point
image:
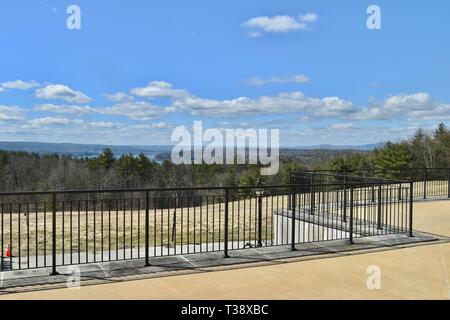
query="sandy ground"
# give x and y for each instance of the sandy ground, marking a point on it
(421, 272)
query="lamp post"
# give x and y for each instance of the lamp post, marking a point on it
(259, 193)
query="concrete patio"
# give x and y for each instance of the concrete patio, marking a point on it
(412, 268)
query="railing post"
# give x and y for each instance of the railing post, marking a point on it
(294, 206)
(351, 215)
(411, 204)
(54, 272)
(147, 227)
(345, 201)
(379, 215)
(225, 254)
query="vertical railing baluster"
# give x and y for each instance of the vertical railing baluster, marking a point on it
(294, 206)
(344, 212)
(54, 272)
(313, 195)
(226, 224)
(411, 205)
(147, 222)
(425, 178)
(379, 213)
(373, 186)
(351, 215)
(448, 185)
(259, 194)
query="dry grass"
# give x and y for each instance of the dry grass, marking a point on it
(93, 231)
(118, 229)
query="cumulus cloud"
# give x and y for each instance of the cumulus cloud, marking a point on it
(68, 109)
(18, 85)
(308, 17)
(259, 82)
(48, 121)
(161, 125)
(159, 89)
(343, 126)
(105, 125)
(439, 112)
(157, 125)
(61, 92)
(398, 105)
(118, 97)
(138, 110)
(279, 24)
(282, 103)
(142, 103)
(11, 113)
(408, 106)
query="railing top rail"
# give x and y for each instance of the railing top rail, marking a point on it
(377, 169)
(364, 179)
(87, 191)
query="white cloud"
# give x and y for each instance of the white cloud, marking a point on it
(159, 89)
(161, 125)
(157, 125)
(18, 85)
(439, 113)
(297, 78)
(11, 113)
(118, 97)
(281, 103)
(48, 121)
(61, 92)
(398, 105)
(138, 110)
(343, 126)
(105, 125)
(405, 102)
(279, 24)
(274, 24)
(68, 109)
(308, 17)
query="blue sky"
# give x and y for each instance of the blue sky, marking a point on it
(138, 69)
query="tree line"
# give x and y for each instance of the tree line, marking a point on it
(23, 171)
(423, 150)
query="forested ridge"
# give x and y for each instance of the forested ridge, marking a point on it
(423, 150)
(23, 171)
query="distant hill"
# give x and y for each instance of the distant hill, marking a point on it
(364, 147)
(91, 150)
(80, 150)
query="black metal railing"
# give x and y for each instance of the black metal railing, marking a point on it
(53, 229)
(433, 183)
